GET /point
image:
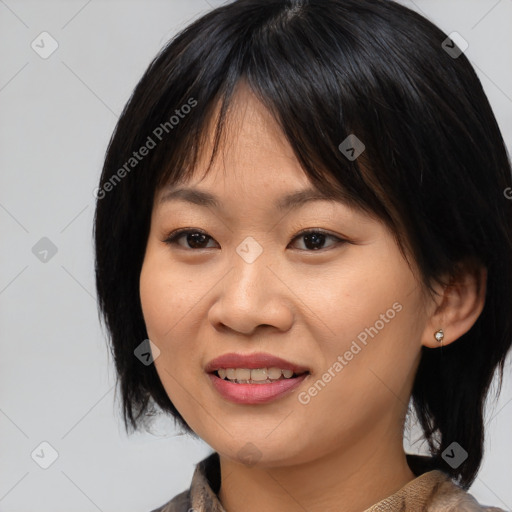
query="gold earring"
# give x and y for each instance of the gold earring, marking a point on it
(439, 336)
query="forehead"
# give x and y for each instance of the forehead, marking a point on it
(254, 165)
(290, 200)
(252, 153)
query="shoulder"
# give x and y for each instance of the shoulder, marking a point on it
(441, 493)
(180, 503)
(448, 496)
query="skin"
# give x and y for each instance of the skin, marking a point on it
(342, 451)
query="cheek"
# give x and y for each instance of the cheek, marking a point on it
(171, 303)
(156, 300)
(162, 294)
(373, 311)
(164, 309)
(353, 297)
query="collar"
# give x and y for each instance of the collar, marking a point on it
(431, 491)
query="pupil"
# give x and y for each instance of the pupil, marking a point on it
(315, 238)
(196, 240)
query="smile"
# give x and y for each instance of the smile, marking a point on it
(255, 392)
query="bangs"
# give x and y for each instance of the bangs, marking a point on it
(316, 106)
(212, 133)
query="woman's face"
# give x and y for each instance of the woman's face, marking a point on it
(351, 311)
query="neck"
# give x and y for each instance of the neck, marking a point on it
(347, 480)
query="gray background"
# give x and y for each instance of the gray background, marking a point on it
(56, 378)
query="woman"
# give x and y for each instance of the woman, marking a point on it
(303, 207)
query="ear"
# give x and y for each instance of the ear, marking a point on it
(457, 306)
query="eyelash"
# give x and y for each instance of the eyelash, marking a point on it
(173, 237)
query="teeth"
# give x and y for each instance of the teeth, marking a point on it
(274, 373)
(230, 373)
(256, 375)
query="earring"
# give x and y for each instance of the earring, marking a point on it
(439, 336)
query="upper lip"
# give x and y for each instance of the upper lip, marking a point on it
(251, 361)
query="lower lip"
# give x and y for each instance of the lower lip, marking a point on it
(255, 393)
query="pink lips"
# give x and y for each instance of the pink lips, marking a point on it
(254, 393)
(251, 361)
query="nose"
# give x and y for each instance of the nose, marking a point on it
(252, 295)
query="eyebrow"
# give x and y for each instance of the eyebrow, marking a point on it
(289, 201)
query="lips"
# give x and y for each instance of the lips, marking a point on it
(252, 361)
(256, 394)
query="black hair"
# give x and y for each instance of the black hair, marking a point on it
(435, 169)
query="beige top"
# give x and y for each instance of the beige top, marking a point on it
(430, 491)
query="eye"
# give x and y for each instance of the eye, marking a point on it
(314, 239)
(195, 238)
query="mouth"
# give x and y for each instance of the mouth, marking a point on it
(253, 391)
(257, 376)
(256, 364)
(254, 378)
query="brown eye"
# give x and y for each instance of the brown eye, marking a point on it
(314, 240)
(194, 239)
